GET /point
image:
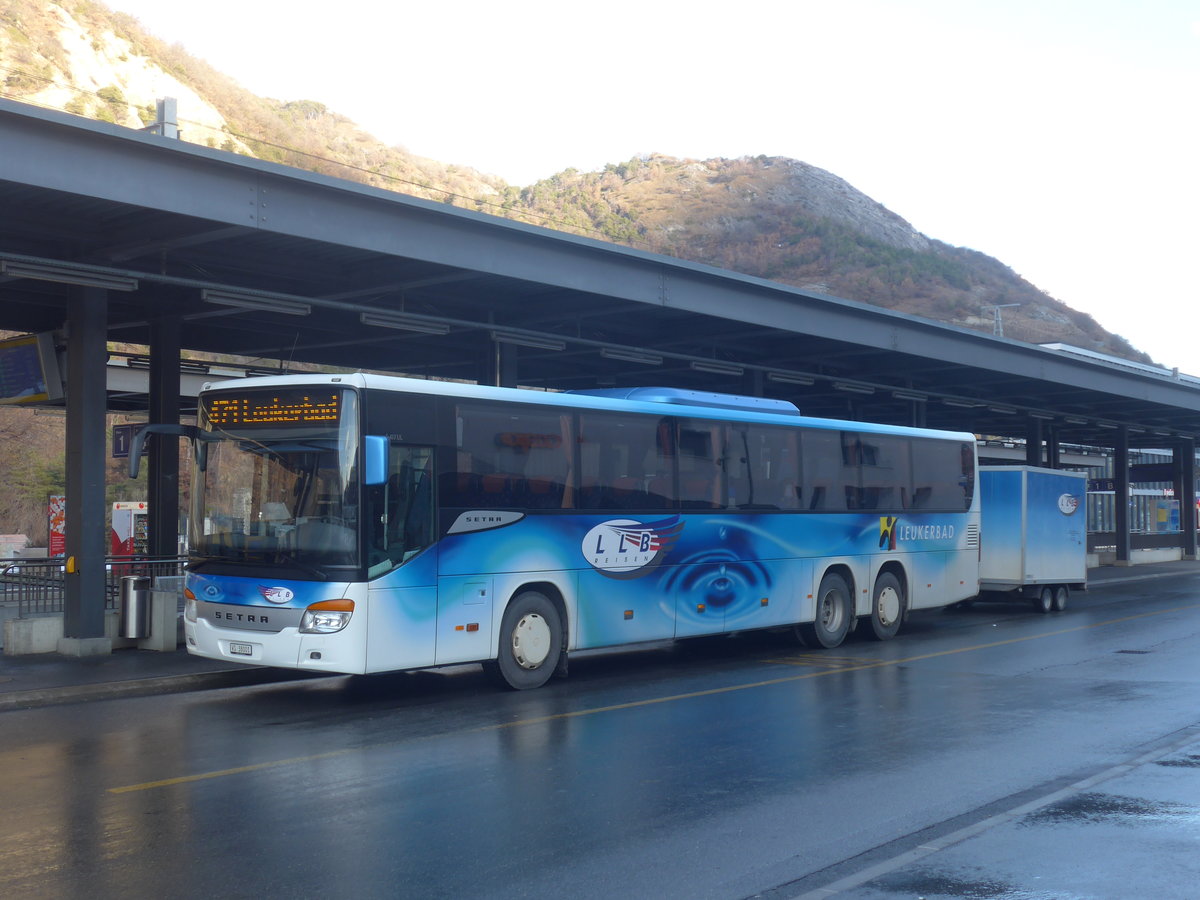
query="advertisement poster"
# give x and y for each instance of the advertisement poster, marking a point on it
(57, 513)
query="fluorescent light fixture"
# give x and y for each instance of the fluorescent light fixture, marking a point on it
(1003, 410)
(1072, 420)
(256, 302)
(962, 404)
(528, 340)
(1113, 425)
(1048, 417)
(909, 395)
(714, 367)
(401, 322)
(636, 356)
(851, 388)
(789, 378)
(67, 274)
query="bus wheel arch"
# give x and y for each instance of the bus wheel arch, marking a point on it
(833, 613)
(889, 603)
(532, 642)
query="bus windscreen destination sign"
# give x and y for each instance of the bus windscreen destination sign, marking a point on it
(305, 406)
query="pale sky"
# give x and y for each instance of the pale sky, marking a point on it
(1060, 136)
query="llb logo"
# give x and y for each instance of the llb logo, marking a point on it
(625, 548)
(1068, 504)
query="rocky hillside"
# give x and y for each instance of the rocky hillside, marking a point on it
(775, 218)
(788, 221)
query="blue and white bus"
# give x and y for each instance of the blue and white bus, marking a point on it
(363, 523)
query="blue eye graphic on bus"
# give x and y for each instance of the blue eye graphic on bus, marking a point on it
(626, 548)
(725, 580)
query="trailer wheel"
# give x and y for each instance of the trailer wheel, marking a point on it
(833, 615)
(888, 604)
(530, 642)
(1061, 594)
(1044, 601)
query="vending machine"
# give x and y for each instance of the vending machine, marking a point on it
(130, 535)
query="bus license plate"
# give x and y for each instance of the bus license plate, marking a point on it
(236, 649)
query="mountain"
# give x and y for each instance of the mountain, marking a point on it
(771, 217)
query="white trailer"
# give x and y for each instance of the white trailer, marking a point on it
(1034, 534)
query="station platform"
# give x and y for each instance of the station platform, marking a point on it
(28, 682)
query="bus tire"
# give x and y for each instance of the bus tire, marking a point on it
(833, 615)
(1044, 601)
(888, 605)
(530, 642)
(1062, 593)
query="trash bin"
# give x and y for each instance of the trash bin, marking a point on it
(135, 606)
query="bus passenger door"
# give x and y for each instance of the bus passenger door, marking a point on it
(402, 562)
(464, 619)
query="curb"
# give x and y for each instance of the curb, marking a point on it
(145, 687)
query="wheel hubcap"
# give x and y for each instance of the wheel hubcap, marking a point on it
(831, 612)
(888, 606)
(531, 641)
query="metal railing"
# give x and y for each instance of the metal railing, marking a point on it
(37, 585)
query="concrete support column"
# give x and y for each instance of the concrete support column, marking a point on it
(753, 383)
(1185, 490)
(163, 474)
(1121, 496)
(1053, 451)
(918, 417)
(84, 591)
(1033, 442)
(505, 369)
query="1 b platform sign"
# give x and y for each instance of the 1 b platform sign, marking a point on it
(122, 439)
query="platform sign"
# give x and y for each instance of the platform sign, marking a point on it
(122, 439)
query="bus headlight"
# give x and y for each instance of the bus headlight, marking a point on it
(189, 605)
(327, 617)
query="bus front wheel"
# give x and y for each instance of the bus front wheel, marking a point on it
(832, 616)
(887, 608)
(530, 642)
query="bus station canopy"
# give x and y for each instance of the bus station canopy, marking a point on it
(277, 264)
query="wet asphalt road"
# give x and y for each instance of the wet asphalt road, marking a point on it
(985, 753)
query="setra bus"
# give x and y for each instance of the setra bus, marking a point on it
(364, 523)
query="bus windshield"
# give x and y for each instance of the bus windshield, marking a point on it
(277, 487)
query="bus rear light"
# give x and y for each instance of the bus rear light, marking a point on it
(327, 616)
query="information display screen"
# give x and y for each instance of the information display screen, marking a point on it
(29, 370)
(273, 407)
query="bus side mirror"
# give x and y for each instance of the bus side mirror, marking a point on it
(191, 432)
(375, 465)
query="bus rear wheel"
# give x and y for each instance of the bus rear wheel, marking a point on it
(530, 644)
(888, 605)
(833, 615)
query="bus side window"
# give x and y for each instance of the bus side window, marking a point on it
(826, 475)
(624, 462)
(700, 457)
